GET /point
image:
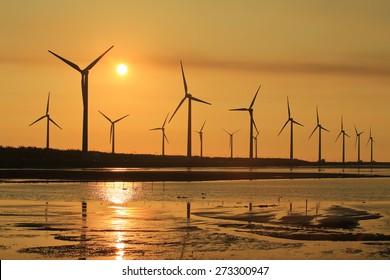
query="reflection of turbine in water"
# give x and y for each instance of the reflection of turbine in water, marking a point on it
(84, 227)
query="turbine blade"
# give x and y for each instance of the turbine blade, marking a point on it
(111, 132)
(157, 128)
(318, 117)
(254, 98)
(165, 120)
(121, 118)
(166, 138)
(198, 100)
(239, 109)
(342, 125)
(254, 124)
(71, 64)
(283, 127)
(37, 120)
(54, 123)
(369, 139)
(297, 123)
(313, 131)
(177, 108)
(323, 128)
(89, 67)
(288, 108)
(346, 134)
(338, 136)
(106, 117)
(202, 126)
(47, 106)
(236, 131)
(184, 79)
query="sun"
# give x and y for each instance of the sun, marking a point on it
(121, 69)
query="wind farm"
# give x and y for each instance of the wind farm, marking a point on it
(204, 159)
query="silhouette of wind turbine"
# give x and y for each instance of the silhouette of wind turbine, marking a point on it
(164, 137)
(231, 141)
(342, 132)
(371, 139)
(292, 122)
(201, 139)
(320, 127)
(190, 98)
(47, 116)
(84, 90)
(112, 129)
(357, 139)
(252, 122)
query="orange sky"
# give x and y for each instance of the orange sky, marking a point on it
(331, 54)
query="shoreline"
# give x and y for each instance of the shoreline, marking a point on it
(97, 175)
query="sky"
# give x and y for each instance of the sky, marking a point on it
(330, 54)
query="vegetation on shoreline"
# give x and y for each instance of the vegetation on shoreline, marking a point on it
(31, 157)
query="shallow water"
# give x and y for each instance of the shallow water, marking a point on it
(122, 220)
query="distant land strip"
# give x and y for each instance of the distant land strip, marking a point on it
(77, 175)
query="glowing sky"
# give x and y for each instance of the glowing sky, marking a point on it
(334, 54)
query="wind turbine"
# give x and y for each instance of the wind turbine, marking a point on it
(190, 98)
(342, 132)
(164, 137)
(201, 139)
(292, 122)
(357, 139)
(84, 90)
(231, 141)
(252, 122)
(320, 127)
(47, 116)
(371, 139)
(112, 129)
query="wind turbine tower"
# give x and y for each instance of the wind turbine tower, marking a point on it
(255, 140)
(357, 139)
(251, 122)
(48, 120)
(190, 98)
(84, 90)
(320, 128)
(112, 129)
(164, 137)
(342, 132)
(201, 139)
(292, 122)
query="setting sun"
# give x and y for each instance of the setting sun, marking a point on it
(121, 69)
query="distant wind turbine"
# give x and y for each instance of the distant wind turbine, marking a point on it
(292, 122)
(252, 122)
(201, 139)
(164, 137)
(371, 140)
(47, 116)
(357, 139)
(84, 90)
(231, 141)
(112, 129)
(342, 132)
(320, 127)
(190, 98)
